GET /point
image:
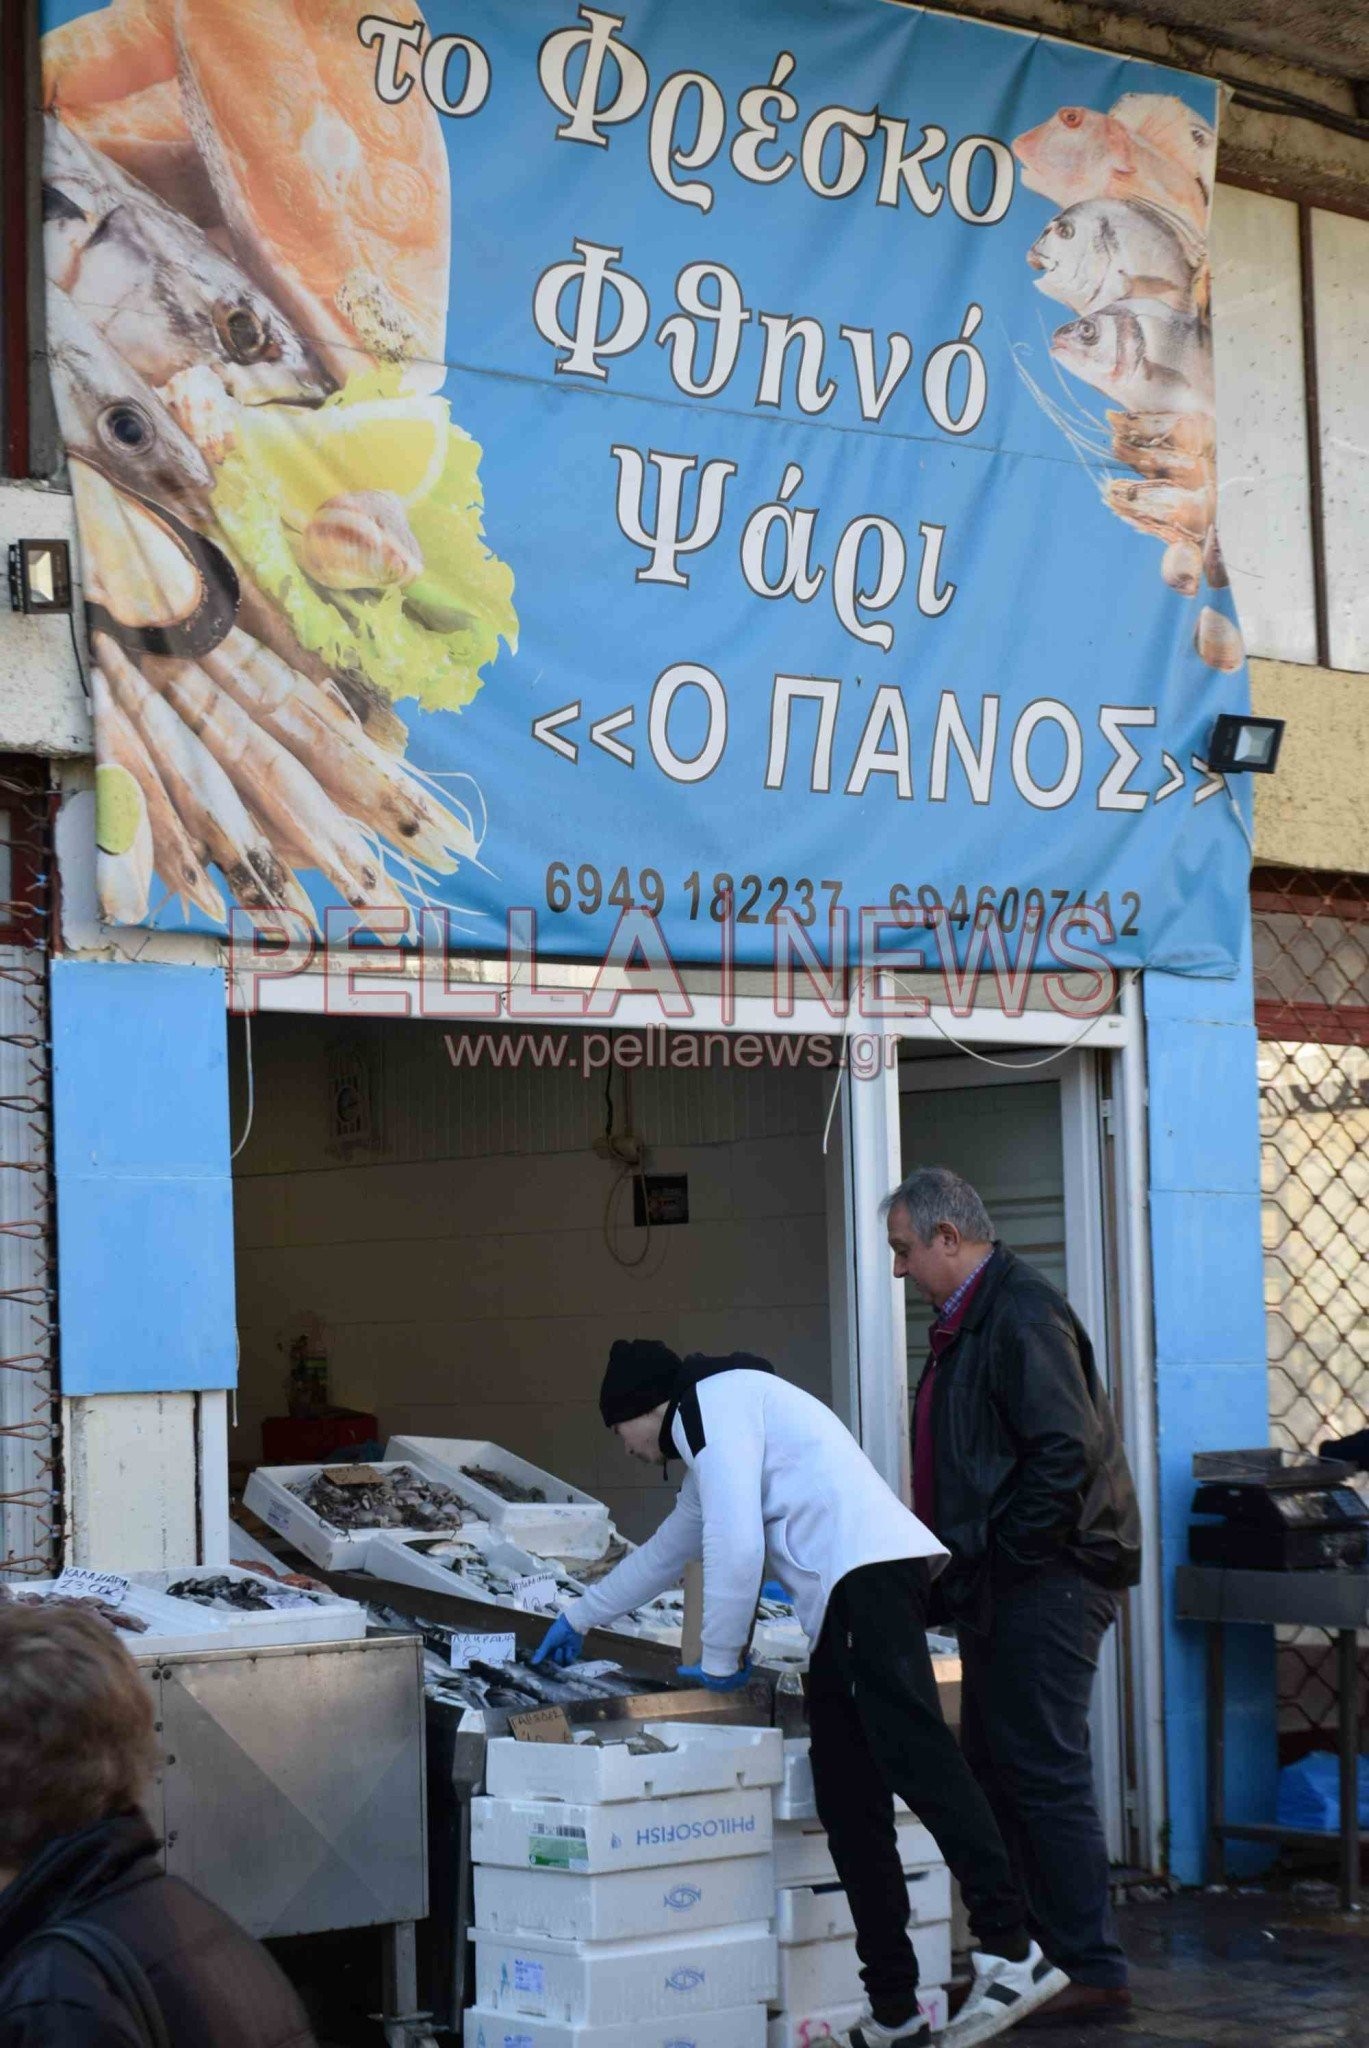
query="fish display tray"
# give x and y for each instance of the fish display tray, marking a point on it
(613, 1983)
(398, 1554)
(639, 1834)
(701, 1759)
(823, 1974)
(803, 1857)
(172, 1625)
(268, 1494)
(743, 2027)
(566, 1524)
(327, 1618)
(624, 1905)
(802, 2030)
(809, 1912)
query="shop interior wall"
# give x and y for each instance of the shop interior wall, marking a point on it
(453, 1243)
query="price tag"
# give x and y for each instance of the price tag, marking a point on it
(351, 1475)
(78, 1583)
(285, 1599)
(542, 1724)
(537, 1592)
(486, 1649)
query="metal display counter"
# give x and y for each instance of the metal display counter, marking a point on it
(292, 1792)
(1332, 1600)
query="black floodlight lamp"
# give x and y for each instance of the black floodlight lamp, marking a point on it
(1244, 746)
(40, 576)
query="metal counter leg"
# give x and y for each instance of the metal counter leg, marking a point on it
(405, 2026)
(1214, 1854)
(1347, 1680)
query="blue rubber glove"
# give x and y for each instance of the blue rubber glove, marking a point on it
(561, 1644)
(695, 1674)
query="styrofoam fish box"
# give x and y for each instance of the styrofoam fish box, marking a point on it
(612, 1983)
(703, 1759)
(173, 1626)
(822, 1974)
(397, 1554)
(801, 2030)
(803, 1857)
(639, 1834)
(794, 1798)
(823, 1913)
(323, 1618)
(624, 1905)
(743, 2027)
(567, 1523)
(268, 1494)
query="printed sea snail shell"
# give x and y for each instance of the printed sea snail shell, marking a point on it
(360, 541)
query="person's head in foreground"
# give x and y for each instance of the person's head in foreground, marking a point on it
(93, 1933)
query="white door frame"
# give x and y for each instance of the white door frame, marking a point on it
(873, 1107)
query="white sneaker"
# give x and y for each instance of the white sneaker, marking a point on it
(868, 2033)
(1003, 1993)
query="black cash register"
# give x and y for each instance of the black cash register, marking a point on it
(1277, 1511)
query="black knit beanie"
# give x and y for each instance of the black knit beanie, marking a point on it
(640, 1374)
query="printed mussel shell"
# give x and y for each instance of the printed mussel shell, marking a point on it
(197, 616)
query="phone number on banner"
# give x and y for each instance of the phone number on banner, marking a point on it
(760, 899)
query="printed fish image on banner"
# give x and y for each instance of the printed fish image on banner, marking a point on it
(1129, 254)
(667, 481)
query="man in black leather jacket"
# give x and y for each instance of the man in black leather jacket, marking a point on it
(76, 1752)
(1018, 1466)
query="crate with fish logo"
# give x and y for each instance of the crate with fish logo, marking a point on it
(744, 2026)
(332, 1512)
(822, 1974)
(806, 2030)
(624, 1905)
(638, 1834)
(612, 1983)
(526, 1505)
(697, 1758)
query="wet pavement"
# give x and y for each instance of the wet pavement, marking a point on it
(1277, 1968)
(1267, 1969)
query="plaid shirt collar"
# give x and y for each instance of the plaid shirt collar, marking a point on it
(953, 1303)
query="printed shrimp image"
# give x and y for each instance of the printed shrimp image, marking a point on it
(280, 526)
(1127, 254)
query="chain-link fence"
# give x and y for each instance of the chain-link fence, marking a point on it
(1311, 957)
(30, 1480)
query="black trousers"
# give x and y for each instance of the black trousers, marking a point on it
(1025, 1729)
(877, 1730)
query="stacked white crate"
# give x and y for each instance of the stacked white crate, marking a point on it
(820, 1994)
(626, 1901)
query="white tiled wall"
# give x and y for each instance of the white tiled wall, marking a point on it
(474, 1295)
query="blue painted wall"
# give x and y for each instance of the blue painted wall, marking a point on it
(144, 1188)
(1211, 1373)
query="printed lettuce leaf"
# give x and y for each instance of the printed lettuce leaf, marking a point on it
(430, 641)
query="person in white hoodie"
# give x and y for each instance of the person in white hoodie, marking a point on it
(776, 1487)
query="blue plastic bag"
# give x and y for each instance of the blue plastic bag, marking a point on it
(1309, 1793)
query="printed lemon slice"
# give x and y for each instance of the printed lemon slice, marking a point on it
(304, 458)
(118, 809)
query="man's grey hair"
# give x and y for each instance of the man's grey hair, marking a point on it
(933, 1194)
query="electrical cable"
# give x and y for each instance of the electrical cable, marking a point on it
(251, 1088)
